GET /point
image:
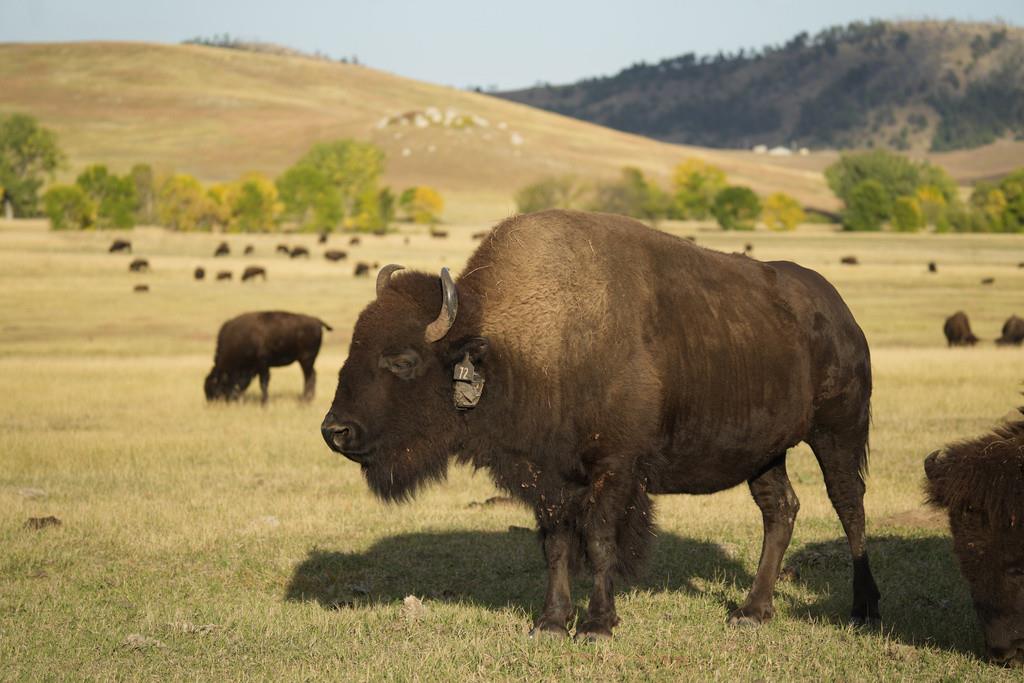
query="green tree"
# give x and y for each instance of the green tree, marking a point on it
(251, 204)
(782, 212)
(631, 195)
(28, 155)
(695, 184)
(387, 203)
(1012, 187)
(422, 204)
(736, 208)
(69, 207)
(330, 184)
(868, 207)
(113, 195)
(145, 193)
(556, 192)
(907, 215)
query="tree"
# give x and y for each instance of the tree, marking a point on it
(145, 193)
(556, 192)
(782, 212)
(1012, 187)
(422, 204)
(933, 206)
(182, 204)
(330, 184)
(113, 195)
(907, 215)
(249, 204)
(695, 184)
(632, 195)
(69, 207)
(868, 207)
(28, 154)
(736, 208)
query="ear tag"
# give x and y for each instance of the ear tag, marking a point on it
(467, 384)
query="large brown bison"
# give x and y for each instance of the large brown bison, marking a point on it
(120, 245)
(957, 329)
(587, 361)
(981, 484)
(1013, 332)
(252, 343)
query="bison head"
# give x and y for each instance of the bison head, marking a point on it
(222, 385)
(393, 411)
(988, 539)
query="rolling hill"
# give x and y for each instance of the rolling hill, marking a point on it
(910, 85)
(217, 113)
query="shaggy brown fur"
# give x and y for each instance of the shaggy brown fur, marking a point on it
(957, 329)
(619, 361)
(981, 484)
(252, 343)
(1013, 332)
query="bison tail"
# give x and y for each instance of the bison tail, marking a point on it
(326, 326)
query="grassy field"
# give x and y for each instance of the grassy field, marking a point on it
(227, 542)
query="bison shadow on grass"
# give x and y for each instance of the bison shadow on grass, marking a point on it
(490, 569)
(925, 600)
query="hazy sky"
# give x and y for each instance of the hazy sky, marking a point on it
(462, 43)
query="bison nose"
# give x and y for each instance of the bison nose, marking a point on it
(343, 436)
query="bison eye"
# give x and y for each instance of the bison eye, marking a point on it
(404, 364)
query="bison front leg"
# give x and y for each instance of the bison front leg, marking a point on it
(602, 553)
(264, 385)
(558, 548)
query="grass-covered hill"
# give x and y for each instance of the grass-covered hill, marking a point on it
(217, 113)
(910, 85)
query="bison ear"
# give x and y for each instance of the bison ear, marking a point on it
(933, 465)
(475, 347)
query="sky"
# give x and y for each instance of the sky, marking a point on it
(487, 44)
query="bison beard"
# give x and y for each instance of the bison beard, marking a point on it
(618, 362)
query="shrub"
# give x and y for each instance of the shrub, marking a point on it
(868, 207)
(558, 192)
(69, 207)
(736, 208)
(113, 195)
(782, 212)
(907, 215)
(695, 184)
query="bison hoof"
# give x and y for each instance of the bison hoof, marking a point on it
(750, 616)
(868, 623)
(592, 632)
(546, 630)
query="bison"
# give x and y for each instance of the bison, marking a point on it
(253, 272)
(353, 241)
(850, 261)
(120, 245)
(141, 288)
(957, 329)
(439, 234)
(249, 249)
(199, 273)
(252, 343)
(283, 249)
(335, 255)
(980, 483)
(299, 251)
(988, 280)
(932, 267)
(222, 249)
(322, 239)
(587, 361)
(224, 275)
(362, 269)
(1013, 332)
(139, 265)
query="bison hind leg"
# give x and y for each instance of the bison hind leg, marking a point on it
(774, 495)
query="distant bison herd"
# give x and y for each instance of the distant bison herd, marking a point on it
(586, 362)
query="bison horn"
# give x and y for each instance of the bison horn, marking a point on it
(384, 276)
(449, 308)
(931, 461)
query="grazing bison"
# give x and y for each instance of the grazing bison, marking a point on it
(932, 268)
(439, 234)
(252, 343)
(988, 280)
(139, 265)
(353, 241)
(335, 255)
(981, 484)
(1013, 332)
(362, 269)
(120, 245)
(957, 329)
(224, 275)
(849, 261)
(199, 273)
(249, 249)
(283, 249)
(323, 238)
(141, 288)
(588, 361)
(480, 235)
(748, 248)
(222, 249)
(253, 272)
(299, 251)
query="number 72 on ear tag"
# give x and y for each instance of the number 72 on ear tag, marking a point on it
(467, 385)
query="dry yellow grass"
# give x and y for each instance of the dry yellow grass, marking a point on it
(235, 540)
